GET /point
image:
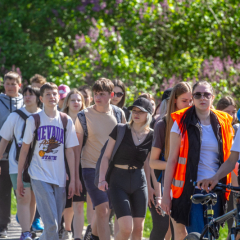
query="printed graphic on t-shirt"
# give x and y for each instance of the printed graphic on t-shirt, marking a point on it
(49, 139)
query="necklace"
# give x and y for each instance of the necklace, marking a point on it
(139, 139)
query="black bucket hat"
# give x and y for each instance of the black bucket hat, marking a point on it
(144, 104)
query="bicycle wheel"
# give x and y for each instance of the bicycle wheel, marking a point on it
(193, 236)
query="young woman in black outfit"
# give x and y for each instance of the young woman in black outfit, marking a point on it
(128, 184)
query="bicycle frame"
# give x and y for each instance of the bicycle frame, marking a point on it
(212, 226)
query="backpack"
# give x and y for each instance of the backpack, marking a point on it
(18, 144)
(121, 129)
(83, 121)
(64, 119)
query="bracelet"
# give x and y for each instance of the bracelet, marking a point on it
(102, 181)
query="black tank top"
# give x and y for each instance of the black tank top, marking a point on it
(130, 154)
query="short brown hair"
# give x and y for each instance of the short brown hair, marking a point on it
(49, 86)
(225, 102)
(103, 85)
(12, 76)
(37, 78)
(85, 90)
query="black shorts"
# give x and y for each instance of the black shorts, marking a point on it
(83, 195)
(128, 192)
(81, 198)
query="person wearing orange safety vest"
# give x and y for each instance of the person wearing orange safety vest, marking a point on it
(200, 142)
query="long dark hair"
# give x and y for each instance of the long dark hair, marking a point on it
(191, 112)
(35, 91)
(119, 83)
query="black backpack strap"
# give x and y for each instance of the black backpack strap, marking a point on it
(82, 119)
(24, 117)
(26, 177)
(118, 113)
(37, 124)
(64, 120)
(121, 129)
(21, 114)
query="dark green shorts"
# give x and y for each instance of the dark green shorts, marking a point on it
(14, 181)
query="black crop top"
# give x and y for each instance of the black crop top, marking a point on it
(130, 154)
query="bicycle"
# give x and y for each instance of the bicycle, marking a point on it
(212, 227)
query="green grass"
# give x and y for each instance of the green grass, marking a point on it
(147, 225)
(13, 204)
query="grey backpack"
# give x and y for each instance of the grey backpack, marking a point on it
(82, 118)
(121, 129)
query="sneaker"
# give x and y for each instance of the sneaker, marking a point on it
(88, 233)
(3, 233)
(36, 226)
(34, 235)
(67, 235)
(26, 236)
(60, 232)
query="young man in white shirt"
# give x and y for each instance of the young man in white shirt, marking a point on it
(10, 100)
(47, 169)
(100, 119)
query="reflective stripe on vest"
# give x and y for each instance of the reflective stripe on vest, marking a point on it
(182, 160)
(177, 183)
(180, 172)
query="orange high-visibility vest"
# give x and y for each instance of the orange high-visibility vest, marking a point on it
(225, 120)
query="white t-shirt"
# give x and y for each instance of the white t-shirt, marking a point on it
(236, 143)
(208, 162)
(14, 125)
(48, 164)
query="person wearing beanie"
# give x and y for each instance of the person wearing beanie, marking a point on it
(63, 91)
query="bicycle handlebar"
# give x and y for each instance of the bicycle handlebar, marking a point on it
(222, 186)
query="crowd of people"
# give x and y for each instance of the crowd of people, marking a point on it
(61, 147)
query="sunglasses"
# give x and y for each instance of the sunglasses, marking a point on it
(118, 94)
(137, 112)
(198, 95)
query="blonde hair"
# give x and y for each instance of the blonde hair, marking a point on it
(146, 125)
(178, 90)
(65, 107)
(163, 108)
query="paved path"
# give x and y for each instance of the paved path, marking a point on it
(14, 230)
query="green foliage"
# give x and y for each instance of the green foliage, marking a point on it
(149, 44)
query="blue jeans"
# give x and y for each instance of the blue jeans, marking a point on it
(197, 220)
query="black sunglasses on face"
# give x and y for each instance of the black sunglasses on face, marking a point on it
(198, 95)
(118, 94)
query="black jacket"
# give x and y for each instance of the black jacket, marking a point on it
(181, 206)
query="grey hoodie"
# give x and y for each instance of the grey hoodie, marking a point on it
(8, 105)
